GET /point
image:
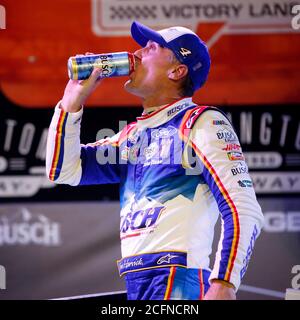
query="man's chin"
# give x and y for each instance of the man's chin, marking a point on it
(130, 88)
(127, 85)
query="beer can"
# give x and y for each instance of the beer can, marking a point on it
(112, 65)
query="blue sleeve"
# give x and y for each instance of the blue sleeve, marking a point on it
(99, 164)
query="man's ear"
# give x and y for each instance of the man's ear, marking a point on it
(178, 72)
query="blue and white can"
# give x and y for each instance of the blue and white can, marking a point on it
(112, 65)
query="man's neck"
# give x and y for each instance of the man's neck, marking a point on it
(152, 104)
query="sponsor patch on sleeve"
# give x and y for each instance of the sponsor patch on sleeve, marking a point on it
(235, 155)
(220, 123)
(245, 183)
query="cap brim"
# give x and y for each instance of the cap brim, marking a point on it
(142, 34)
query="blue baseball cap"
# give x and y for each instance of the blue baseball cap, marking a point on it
(188, 48)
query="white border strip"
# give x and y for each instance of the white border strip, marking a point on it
(93, 295)
(246, 288)
(264, 292)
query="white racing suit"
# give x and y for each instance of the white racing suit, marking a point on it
(178, 169)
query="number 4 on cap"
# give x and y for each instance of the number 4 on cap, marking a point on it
(185, 52)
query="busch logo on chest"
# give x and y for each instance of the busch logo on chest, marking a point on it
(141, 219)
(177, 109)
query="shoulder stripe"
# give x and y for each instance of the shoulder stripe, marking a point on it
(190, 118)
(59, 146)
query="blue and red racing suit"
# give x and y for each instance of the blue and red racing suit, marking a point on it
(178, 169)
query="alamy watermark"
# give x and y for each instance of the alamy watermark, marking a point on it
(2, 17)
(296, 279)
(157, 146)
(2, 278)
(296, 19)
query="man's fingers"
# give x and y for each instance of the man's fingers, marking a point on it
(95, 75)
(93, 78)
